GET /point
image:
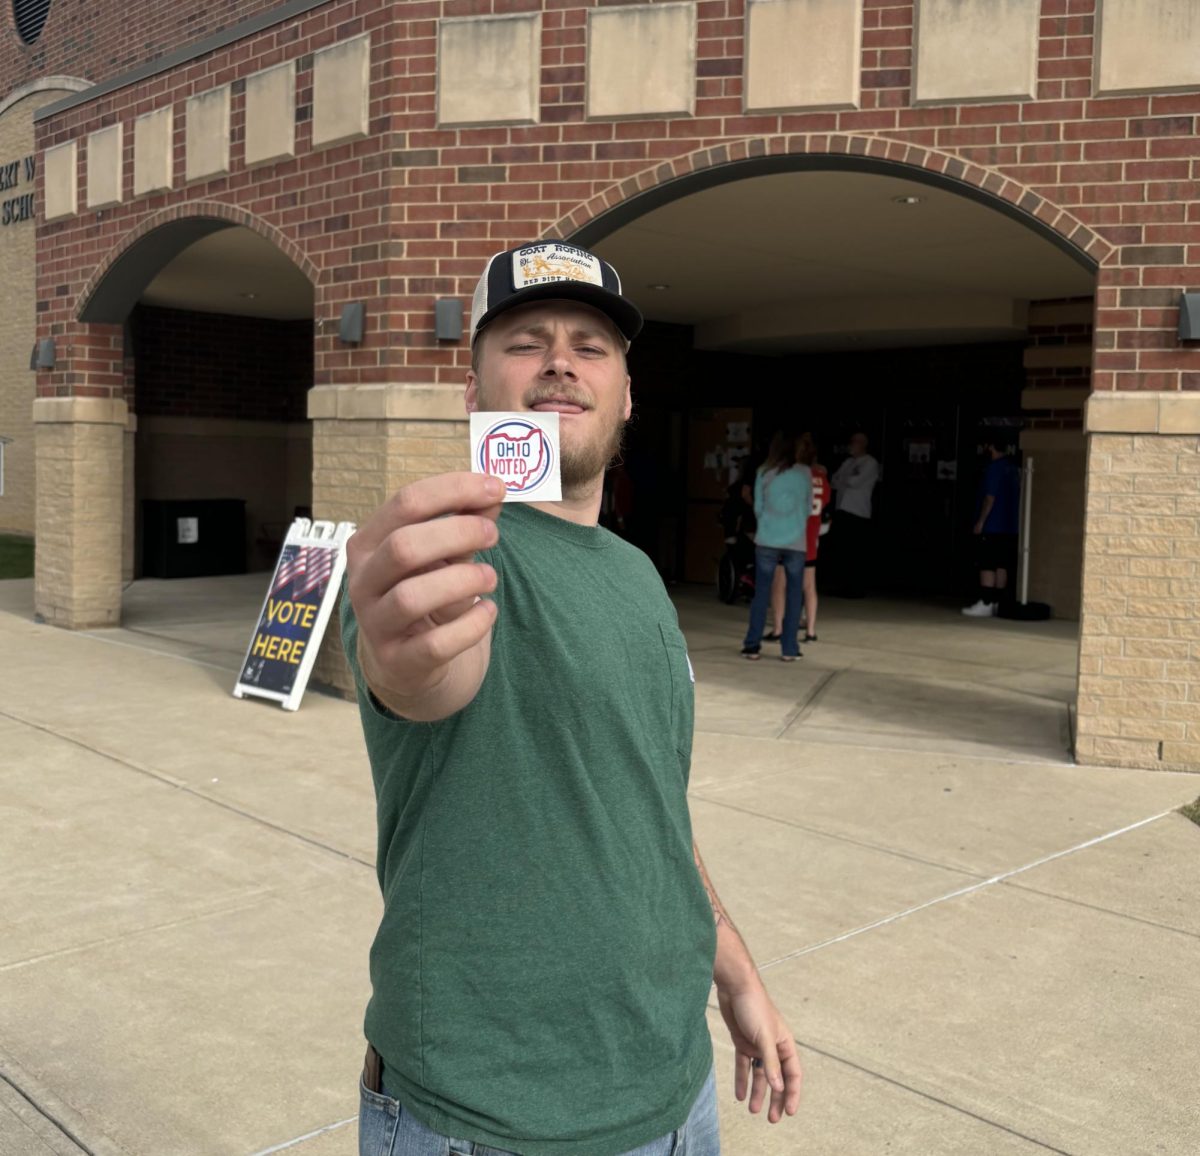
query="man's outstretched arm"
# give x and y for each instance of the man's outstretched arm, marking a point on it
(766, 1050)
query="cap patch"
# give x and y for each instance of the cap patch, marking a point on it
(542, 264)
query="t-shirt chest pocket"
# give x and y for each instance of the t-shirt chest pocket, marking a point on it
(682, 689)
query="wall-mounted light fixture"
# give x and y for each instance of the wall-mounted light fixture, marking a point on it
(1189, 317)
(448, 319)
(43, 354)
(350, 327)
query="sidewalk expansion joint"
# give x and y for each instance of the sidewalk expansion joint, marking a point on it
(953, 1107)
(307, 1136)
(167, 781)
(962, 891)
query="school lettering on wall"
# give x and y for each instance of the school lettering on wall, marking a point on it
(18, 201)
(300, 599)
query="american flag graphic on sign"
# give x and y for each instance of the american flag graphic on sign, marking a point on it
(318, 567)
(293, 564)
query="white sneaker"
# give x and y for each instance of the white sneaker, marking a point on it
(981, 609)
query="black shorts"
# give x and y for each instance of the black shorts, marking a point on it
(810, 563)
(996, 552)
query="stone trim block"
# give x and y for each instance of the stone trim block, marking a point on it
(641, 60)
(1143, 413)
(387, 402)
(341, 90)
(1147, 46)
(105, 167)
(489, 69)
(207, 149)
(60, 164)
(951, 62)
(827, 32)
(271, 115)
(81, 410)
(154, 151)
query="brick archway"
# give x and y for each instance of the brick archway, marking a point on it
(120, 278)
(669, 180)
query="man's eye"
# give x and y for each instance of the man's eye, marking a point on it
(592, 350)
(522, 347)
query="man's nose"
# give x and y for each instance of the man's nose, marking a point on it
(559, 362)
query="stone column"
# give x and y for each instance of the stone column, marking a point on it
(1139, 661)
(368, 441)
(129, 503)
(80, 515)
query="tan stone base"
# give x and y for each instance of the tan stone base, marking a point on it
(368, 441)
(80, 453)
(1139, 664)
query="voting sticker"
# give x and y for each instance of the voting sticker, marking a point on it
(522, 450)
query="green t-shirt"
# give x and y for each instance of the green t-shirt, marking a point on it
(545, 956)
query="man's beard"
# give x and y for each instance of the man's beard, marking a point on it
(582, 466)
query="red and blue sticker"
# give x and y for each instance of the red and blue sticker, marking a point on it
(522, 449)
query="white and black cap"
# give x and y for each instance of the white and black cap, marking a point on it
(550, 270)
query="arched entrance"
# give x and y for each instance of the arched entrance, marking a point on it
(216, 314)
(930, 303)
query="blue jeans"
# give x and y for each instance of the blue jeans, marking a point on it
(766, 558)
(386, 1129)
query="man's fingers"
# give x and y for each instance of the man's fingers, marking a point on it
(414, 600)
(439, 645)
(793, 1074)
(758, 1090)
(741, 1075)
(409, 550)
(432, 498)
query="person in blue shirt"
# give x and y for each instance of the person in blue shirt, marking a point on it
(996, 530)
(782, 504)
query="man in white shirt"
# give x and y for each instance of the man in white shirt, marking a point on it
(853, 484)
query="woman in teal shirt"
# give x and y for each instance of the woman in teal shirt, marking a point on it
(782, 504)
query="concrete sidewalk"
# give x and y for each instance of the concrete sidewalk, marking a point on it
(981, 947)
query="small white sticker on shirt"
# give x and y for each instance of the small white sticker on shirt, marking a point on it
(522, 449)
(691, 672)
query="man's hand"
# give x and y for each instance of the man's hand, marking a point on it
(766, 1051)
(424, 627)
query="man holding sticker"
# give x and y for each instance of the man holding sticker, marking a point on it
(549, 934)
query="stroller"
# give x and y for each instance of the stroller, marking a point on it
(735, 568)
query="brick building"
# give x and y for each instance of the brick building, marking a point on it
(922, 218)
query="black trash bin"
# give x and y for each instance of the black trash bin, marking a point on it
(193, 539)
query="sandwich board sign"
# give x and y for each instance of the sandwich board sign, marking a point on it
(295, 612)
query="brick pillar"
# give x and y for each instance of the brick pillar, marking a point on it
(1139, 664)
(368, 441)
(80, 466)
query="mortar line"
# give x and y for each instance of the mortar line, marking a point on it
(897, 916)
(306, 1136)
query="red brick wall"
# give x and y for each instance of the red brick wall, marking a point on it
(1059, 377)
(411, 213)
(215, 365)
(95, 41)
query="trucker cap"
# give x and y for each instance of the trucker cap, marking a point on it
(547, 270)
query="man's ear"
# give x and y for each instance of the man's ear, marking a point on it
(472, 395)
(628, 397)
